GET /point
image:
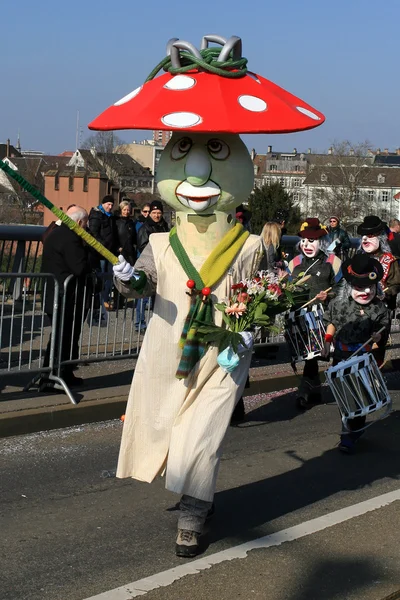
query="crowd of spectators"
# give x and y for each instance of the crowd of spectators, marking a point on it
(66, 254)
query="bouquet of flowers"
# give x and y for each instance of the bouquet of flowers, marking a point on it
(253, 303)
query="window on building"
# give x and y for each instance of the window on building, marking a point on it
(70, 183)
(385, 196)
(370, 195)
(296, 197)
(273, 168)
(282, 181)
(296, 182)
(381, 178)
(324, 177)
(267, 180)
(385, 215)
(296, 168)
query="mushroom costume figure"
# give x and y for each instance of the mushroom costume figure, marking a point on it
(181, 400)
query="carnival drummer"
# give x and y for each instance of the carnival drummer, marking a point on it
(325, 271)
(374, 242)
(352, 318)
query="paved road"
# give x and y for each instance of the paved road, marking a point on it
(70, 530)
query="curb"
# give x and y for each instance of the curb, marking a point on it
(26, 421)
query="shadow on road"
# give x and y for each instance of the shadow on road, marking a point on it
(245, 508)
(337, 578)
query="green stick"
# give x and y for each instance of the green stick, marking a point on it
(89, 239)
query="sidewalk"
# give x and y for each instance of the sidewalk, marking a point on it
(106, 388)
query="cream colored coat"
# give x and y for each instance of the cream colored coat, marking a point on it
(172, 424)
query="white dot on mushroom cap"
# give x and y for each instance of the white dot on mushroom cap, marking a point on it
(308, 113)
(252, 103)
(180, 82)
(181, 119)
(128, 96)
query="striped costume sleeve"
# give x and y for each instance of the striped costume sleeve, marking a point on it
(336, 264)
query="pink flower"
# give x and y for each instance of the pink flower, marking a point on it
(236, 309)
(243, 297)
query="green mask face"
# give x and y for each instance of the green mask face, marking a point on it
(205, 173)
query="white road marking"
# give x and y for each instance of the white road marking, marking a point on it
(142, 586)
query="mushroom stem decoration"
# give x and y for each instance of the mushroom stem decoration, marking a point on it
(181, 401)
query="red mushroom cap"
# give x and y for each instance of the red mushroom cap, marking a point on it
(205, 102)
(209, 96)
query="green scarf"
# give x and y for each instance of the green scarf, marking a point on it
(213, 269)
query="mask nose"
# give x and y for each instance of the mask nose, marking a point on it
(198, 167)
(367, 290)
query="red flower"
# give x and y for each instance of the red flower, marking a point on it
(274, 288)
(238, 286)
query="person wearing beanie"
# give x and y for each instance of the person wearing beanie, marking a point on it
(155, 223)
(337, 234)
(351, 319)
(325, 271)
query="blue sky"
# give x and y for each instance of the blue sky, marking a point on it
(340, 57)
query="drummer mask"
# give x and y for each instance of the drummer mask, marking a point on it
(363, 295)
(310, 248)
(370, 244)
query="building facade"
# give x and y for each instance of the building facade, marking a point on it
(322, 185)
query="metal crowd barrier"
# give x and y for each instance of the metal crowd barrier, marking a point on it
(78, 331)
(25, 342)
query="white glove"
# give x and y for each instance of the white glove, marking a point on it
(248, 341)
(124, 271)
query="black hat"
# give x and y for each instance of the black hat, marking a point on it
(362, 270)
(156, 205)
(371, 225)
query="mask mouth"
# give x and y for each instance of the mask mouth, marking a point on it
(364, 296)
(198, 198)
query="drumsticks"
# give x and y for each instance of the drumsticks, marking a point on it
(366, 343)
(315, 297)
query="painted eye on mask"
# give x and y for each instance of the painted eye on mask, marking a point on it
(218, 149)
(181, 148)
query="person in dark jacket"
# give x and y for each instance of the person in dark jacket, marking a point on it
(325, 271)
(65, 254)
(336, 232)
(354, 317)
(102, 224)
(126, 230)
(374, 241)
(154, 223)
(144, 213)
(102, 227)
